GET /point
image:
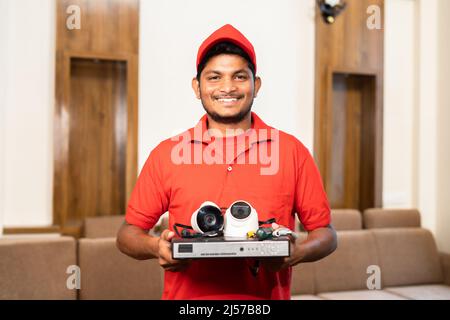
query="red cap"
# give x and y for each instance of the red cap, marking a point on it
(227, 33)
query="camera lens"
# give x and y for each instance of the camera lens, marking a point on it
(240, 210)
(209, 218)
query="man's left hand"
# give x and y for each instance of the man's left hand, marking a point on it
(277, 264)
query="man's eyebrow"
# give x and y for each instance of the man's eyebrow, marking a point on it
(241, 70)
(213, 71)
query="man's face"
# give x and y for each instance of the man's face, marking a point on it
(227, 88)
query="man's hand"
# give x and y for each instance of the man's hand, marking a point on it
(137, 243)
(277, 264)
(320, 243)
(165, 254)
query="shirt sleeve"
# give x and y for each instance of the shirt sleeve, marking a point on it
(311, 202)
(148, 200)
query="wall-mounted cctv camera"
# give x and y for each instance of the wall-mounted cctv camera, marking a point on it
(208, 218)
(240, 218)
(330, 9)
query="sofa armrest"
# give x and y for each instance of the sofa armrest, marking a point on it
(445, 262)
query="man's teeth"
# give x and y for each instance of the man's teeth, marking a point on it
(227, 99)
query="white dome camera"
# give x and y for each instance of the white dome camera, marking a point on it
(208, 218)
(240, 218)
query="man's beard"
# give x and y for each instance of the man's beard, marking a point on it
(229, 119)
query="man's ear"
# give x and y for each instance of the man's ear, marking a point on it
(196, 87)
(257, 86)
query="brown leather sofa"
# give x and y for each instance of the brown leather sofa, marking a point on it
(409, 263)
(109, 274)
(406, 254)
(33, 268)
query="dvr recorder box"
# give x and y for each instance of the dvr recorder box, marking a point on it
(220, 247)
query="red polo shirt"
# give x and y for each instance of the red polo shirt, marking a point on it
(268, 168)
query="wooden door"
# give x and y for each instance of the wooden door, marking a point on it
(350, 152)
(97, 139)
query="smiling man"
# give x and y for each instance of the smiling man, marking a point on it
(235, 141)
(226, 85)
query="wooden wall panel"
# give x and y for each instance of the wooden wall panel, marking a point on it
(349, 79)
(107, 26)
(96, 96)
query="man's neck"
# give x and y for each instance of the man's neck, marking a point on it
(230, 129)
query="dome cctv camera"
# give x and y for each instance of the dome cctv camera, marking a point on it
(208, 218)
(240, 218)
(330, 9)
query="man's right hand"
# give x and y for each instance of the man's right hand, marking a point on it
(165, 254)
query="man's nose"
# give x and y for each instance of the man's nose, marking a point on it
(228, 86)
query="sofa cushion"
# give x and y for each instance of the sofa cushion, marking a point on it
(391, 218)
(423, 292)
(35, 268)
(102, 227)
(346, 268)
(360, 295)
(108, 226)
(106, 273)
(346, 219)
(408, 256)
(303, 279)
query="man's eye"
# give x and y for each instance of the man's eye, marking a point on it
(213, 78)
(241, 77)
